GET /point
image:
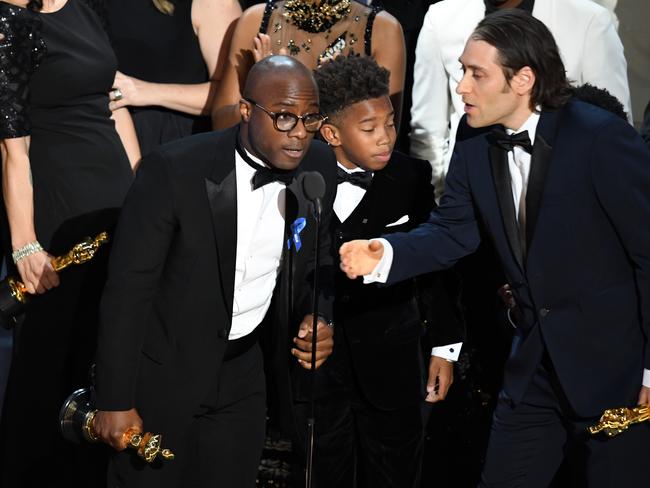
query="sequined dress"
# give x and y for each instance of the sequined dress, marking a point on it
(351, 34)
(56, 70)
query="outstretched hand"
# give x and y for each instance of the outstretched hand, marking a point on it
(359, 258)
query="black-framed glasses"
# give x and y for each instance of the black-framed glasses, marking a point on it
(286, 121)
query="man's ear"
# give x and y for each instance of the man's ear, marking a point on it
(523, 81)
(331, 134)
(245, 109)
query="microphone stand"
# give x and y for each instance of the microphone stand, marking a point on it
(317, 209)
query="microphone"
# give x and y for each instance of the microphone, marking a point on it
(313, 185)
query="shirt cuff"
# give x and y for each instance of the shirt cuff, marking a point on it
(646, 378)
(449, 352)
(381, 271)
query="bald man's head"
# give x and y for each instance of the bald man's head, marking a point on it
(275, 70)
(277, 84)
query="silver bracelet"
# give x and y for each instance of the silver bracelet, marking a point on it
(27, 250)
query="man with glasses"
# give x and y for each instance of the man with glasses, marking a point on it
(213, 262)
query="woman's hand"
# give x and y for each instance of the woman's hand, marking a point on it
(127, 91)
(37, 273)
(263, 48)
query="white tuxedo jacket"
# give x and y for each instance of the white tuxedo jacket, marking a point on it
(584, 32)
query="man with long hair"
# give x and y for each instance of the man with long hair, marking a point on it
(562, 188)
(586, 36)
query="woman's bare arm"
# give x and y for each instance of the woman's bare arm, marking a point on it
(35, 270)
(126, 130)
(213, 22)
(225, 111)
(389, 50)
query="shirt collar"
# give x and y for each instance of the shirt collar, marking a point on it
(355, 170)
(255, 159)
(530, 125)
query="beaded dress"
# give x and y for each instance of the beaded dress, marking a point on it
(56, 70)
(317, 32)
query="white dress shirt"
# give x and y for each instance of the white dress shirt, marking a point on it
(586, 37)
(260, 237)
(348, 197)
(519, 162)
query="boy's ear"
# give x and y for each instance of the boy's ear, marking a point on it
(331, 134)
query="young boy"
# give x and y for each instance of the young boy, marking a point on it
(369, 427)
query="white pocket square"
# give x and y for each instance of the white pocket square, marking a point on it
(400, 221)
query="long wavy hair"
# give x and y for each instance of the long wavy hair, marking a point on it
(165, 6)
(522, 40)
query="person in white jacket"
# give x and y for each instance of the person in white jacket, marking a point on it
(584, 31)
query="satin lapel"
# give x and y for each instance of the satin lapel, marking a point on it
(291, 212)
(222, 198)
(539, 165)
(292, 209)
(502, 184)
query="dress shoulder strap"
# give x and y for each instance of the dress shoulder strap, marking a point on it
(268, 10)
(367, 37)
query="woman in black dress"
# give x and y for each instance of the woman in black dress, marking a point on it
(65, 174)
(170, 54)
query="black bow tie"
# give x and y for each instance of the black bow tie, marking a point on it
(500, 138)
(263, 175)
(361, 179)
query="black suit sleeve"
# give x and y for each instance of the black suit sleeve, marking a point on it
(450, 233)
(621, 176)
(435, 291)
(145, 230)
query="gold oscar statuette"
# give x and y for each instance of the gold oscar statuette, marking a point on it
(13, 294)
(617, 420)
(147, 445)
(77, 418)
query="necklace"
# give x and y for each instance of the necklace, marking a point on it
(315, 16)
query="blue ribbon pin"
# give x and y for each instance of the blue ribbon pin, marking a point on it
(296, 228)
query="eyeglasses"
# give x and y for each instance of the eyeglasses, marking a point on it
(286, 121)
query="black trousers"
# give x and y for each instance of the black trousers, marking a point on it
(224, 443)
(356, 444)
(530, 440)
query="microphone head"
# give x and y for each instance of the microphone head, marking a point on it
(313, 185)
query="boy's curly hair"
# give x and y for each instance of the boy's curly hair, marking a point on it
(349, 79)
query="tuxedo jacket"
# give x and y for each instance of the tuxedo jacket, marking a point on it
(381, 327)
(167, 307)
(584, 284)
(586, 37)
